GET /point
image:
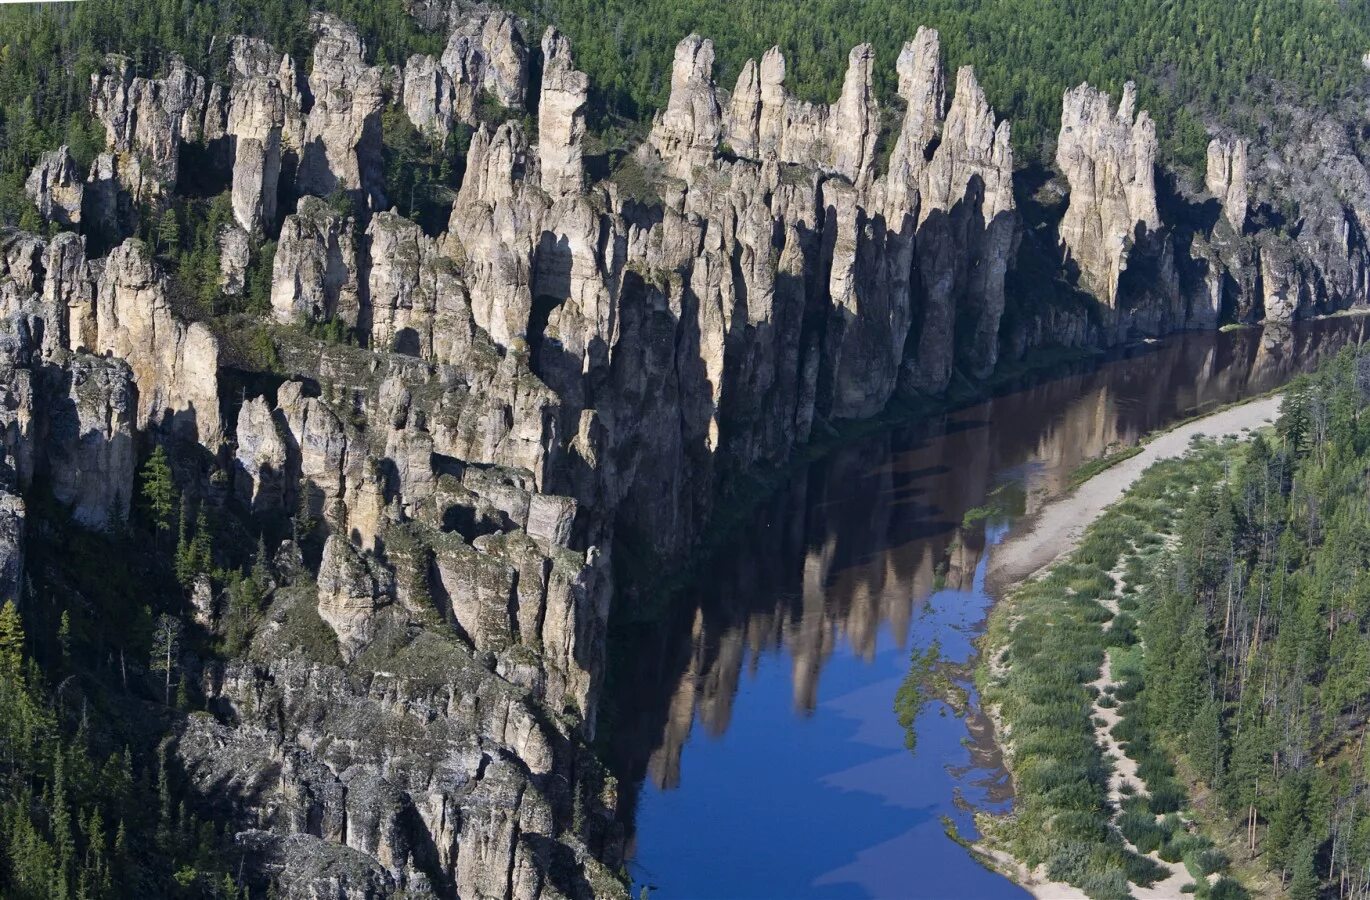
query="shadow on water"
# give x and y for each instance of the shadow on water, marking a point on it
(754, 732)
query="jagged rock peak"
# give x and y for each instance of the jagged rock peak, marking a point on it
(342, 142)
(561, 118)
(56, 188)
(922, 86)
(1226, 179)
(486, 54)
(973, 149)
(1109, 160)
(855, 121)
(686, 133)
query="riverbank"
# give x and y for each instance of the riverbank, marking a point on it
(1058, 527)
(1100, 811)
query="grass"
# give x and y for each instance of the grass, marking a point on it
(1050, 631)
(1102, 464)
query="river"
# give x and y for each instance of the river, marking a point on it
(753, 726)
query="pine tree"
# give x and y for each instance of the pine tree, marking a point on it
(64, 639)
(168, 233)
(202, 549)
(11, 640)
(166, 646)
(184, 561)
(159, 490)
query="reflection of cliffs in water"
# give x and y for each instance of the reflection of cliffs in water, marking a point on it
(857, 540)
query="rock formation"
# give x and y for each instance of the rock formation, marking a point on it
(429, 96)
(341, 147)
(261, 457)
(175, 365)
(256, 117)
(1109, 160)
(561, 118)
(686, 133)
(55, 188)
(12, 519)
(1111, 236)
(314, 272)
(1225, 179)
(486, 55)
(149, 118)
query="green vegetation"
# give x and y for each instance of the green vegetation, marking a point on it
(101, 663)
(1187, 55)
(95, 674)
(1258, 663)
(1047, 646)
(1192, 58)
(1102, 464)
(1241, 652)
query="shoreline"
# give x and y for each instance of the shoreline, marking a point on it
(1056, 529)
(1052, 535)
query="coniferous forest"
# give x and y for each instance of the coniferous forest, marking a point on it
(1230, 595)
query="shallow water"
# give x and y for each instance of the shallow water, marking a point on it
(754, 728)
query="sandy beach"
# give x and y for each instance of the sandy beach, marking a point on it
(1057, 528)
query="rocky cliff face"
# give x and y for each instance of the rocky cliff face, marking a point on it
(56, 189)
(342, 132)
(571, 369)
(1112, 236)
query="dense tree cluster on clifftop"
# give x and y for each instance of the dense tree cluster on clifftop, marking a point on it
(1194, 58)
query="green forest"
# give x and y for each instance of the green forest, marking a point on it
(1231, 593)
(1194, 59)
(97, 667)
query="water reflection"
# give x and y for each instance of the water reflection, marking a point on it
(855, 559)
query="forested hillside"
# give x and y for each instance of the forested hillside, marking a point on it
(1192, 58)
(1258, 642)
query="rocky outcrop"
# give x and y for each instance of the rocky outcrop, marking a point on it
(1225, 179)
(256, 118)
(429, 96)
(352, 587)
(1109, 160)
(561, 118)
(486, 55)
(262, 457)
(56, 189)
(65, 417)
(314, 273)
(12, 519)
(341, 148)
(175, 365)
(966, 231)
(418, 305)
(88, 411)
(1111, 235)
(69, 290)
(235, 254)
(148, 118)
(686, 133)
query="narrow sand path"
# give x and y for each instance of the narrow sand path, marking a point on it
(1058, 527)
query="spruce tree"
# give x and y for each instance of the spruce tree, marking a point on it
(158, 490)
